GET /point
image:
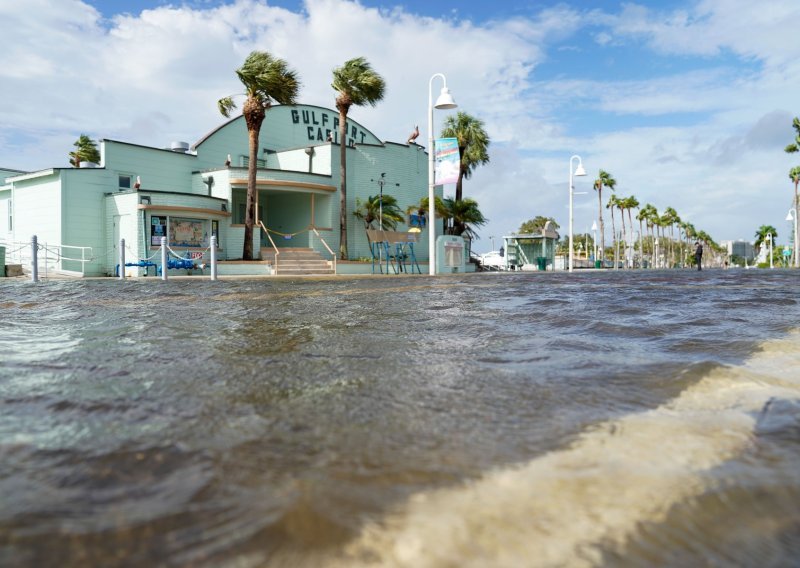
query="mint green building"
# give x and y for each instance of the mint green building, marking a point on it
(187, 193)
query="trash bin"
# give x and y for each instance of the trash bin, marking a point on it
(2, 262)
(597, 263)
(541, 262)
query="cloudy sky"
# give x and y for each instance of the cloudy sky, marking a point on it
(688, 103)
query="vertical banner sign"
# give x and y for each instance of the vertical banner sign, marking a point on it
(446, 160)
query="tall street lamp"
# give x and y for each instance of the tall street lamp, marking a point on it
(445, 101)
(594, 236)
(579, 171)
(769, 236)
(792, 216)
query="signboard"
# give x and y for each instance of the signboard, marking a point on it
(446, 160)
(158, 229)
(187, 232)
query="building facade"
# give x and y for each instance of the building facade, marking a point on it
(189, 193)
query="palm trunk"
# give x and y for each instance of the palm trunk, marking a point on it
(614, 239)
(460, 182)
(641, 245)
(602, 228)
(624, 239)
(796, 223)
(343, 107)
(254, 114)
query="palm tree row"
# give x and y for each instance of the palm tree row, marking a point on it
(664, 250)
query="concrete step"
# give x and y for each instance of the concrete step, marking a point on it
(298, 261)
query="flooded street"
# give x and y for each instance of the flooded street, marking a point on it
(594, 419)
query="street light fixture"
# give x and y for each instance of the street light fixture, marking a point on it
(579, 171)
(445, 101)
(769, 236)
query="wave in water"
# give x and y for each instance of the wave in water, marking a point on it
(571, 506)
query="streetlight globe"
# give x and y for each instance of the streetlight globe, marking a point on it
(579, 171)
(789, 216)
(445, 100)
(594, 225)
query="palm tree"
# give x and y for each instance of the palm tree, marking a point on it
(371, 210)
(473, 144)
(630, 204)
(356, 84)
(671, 217)
(689, 232)
(641, 216)
(762, 236)
(649, 214)
(794, 175)
(462, 216)
(85, 151)
(604, 179)
(661, 222)
(795, 146)
(266, 79)
(613, 202)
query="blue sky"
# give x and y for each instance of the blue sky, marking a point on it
(687, 103)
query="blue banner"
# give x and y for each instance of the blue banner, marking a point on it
(446, 160)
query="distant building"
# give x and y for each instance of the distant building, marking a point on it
(741, 248)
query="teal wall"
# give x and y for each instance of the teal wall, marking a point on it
(87, 207)
(162, 170)
(284, 127)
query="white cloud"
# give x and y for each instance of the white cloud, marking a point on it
(703, 141)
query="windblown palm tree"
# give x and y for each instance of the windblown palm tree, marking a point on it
(462, 217)
(630, 204)
(604, 179)
(671, 217)
(762, 236)
(641, 216)
(371, 210)
(794, 175)
(85, 151)
(795, 146)
(356, 83)
(473, 144)
(266, 79)
(613, 203)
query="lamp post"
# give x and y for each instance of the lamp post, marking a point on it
(381, 183)
(579, 171)
(792, 216)
(594, 236)
(444, 101)
(769, 236)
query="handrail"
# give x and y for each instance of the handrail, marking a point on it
(22, 254)
(277, 252)
(326, 247)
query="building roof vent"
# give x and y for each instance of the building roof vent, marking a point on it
(182, 147)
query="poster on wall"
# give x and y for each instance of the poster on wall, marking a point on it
(187, 232)
(158, 229)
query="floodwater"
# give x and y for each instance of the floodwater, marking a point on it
(504, 420)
